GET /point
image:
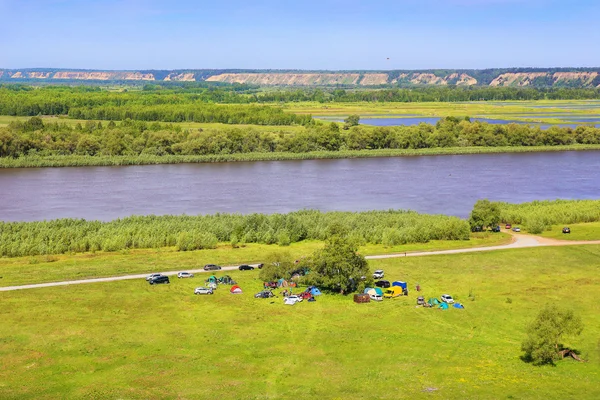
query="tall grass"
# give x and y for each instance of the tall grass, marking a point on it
(538, 216)
(196, 232)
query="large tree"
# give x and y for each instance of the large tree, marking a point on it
(546, 333)
(338, 267)
(485, 214)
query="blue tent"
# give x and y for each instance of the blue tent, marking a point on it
(444, 306)
(458, 305)
(314, 291)
(403, 285)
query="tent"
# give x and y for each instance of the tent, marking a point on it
(289, 302)
(374, 291)
(314, 290)
(433, 301)
(212, 279)
(443, 306)
(393, 291)
(235, 289)
(458, 305)
(403, 285)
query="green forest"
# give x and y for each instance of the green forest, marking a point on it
(138, 138)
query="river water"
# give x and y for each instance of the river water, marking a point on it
(429, 184)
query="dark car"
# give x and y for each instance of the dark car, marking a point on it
(211, 267)
(496, 228)
(383, 284)
(246, 267)
(477, 229)
(261, 265)
(159, 279)
(566, 229)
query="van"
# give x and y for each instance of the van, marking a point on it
(159, 279)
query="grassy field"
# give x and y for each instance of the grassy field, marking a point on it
(586, 231)
(524, 111)
(128, 340)
(5, 120)
(39, 269)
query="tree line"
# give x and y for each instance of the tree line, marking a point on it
(138, 138)
(19, 100)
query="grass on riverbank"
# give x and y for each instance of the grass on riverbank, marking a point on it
(41, 269)
(83, 161)
(130, 340)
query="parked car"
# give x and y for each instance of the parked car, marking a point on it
(383, 284)
(261, 265)
(376, 297)
(211, 267)
(496, 228)
(566, 229)
(203, 290)
(246, 267)
(508, 226)
(378, 274)
(516, 229)
(293, 298)
(265, 294)
(159, 279)
(185, 275)
(477, 228)
(152, 276)
(446, 298)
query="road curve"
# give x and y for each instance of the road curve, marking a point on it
(519, 241)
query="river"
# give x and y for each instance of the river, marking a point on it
(448, 184)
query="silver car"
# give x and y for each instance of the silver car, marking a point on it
(203, 290)
(185, 275)
(152, 276)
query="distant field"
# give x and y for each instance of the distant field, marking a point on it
(5, 120)
(131, 340)
(525, 111)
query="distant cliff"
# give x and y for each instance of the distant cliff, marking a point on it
(513, 77)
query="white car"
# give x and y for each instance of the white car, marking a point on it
(378, 274)
(203, 290)
(446, 298)
(376, 297)
(185, 275)
(293, 299)
(152, 276)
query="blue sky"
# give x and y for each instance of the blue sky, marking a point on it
(301, 34)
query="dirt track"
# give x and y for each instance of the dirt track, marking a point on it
(519, 241)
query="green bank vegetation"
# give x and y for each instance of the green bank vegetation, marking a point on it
(390, 228)
(539, 216)
(131, 340)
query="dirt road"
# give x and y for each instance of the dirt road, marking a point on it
(519, 241)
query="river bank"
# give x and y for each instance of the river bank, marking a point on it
(98, 161)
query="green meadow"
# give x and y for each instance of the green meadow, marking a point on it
(585, 231)
(130, 340)
(53, 268)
